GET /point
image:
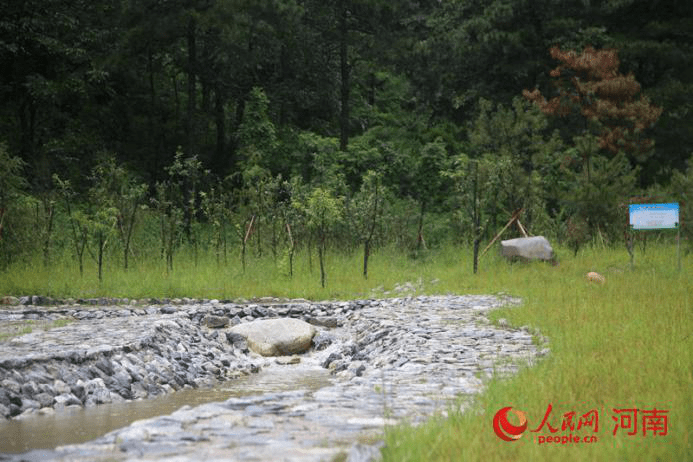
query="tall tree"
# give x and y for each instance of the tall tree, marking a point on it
(118, 187)
(323, 210)
(365, 212)
(654, 42)
(590, 85)
(51, 77)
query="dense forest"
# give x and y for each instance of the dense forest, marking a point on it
(130, 128)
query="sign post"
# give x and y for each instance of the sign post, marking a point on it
(657, 216)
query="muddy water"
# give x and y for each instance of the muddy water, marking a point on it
(79, 425)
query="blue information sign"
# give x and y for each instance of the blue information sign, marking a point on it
(654, 216)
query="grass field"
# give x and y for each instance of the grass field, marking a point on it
(627, 344)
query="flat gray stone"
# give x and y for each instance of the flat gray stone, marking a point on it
(276, 337)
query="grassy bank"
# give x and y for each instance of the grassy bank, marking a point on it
(626, 345)
(262, 277)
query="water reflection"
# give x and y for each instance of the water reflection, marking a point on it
(74, 426)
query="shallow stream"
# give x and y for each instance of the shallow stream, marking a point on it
(79, 425)
(393, 360)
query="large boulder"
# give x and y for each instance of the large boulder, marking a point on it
(527, 248)
(276, 337)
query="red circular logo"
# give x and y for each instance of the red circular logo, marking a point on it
(504, 429)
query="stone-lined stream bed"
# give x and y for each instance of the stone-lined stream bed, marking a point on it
(373, 363)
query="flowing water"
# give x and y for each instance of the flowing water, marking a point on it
(72, 426)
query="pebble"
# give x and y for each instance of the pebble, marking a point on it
(388, 360)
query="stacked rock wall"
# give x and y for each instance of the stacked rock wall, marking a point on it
(115, 353)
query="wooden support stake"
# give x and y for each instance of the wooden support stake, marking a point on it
(514, 217)
(522, 228)
(250, 228)
(291, 239)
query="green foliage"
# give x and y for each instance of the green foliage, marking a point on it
(175, 201)
(12, 206)
(574, 315)
(262, 92)
(517, 163)
(682, 192)
(365, 211)
(322, 158)
(332, 124)
(257, 138)
(116, 187)
(479, 183)
(323, 210)
(12, 182)
(597, 188)
(215, 205)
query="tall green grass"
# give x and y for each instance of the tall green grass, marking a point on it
(207, 278)
(626, 344)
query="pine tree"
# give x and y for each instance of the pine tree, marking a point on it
(590, 85)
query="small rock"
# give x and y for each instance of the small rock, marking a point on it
(215, 322)
(322, 340)
(330, 359)
(67, 399)
(237, 340)
(9, 300)
(11, 385)
(29, 389)
(29, 404)
(44, 399)
(595, 277)
(324, 321)
(83, 314)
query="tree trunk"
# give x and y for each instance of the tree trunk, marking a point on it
(80, 257)
(274, 240)
(292, 247)
(100, 257)
(154, 138)
(27, 123)
(476, 216)
(220, 122)
(192, 58)
(629, 247)
(366, 254)
(128, 236)
(171, 241)
(322, 264)
(48, 211)
(344, 73)
(420, 242)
